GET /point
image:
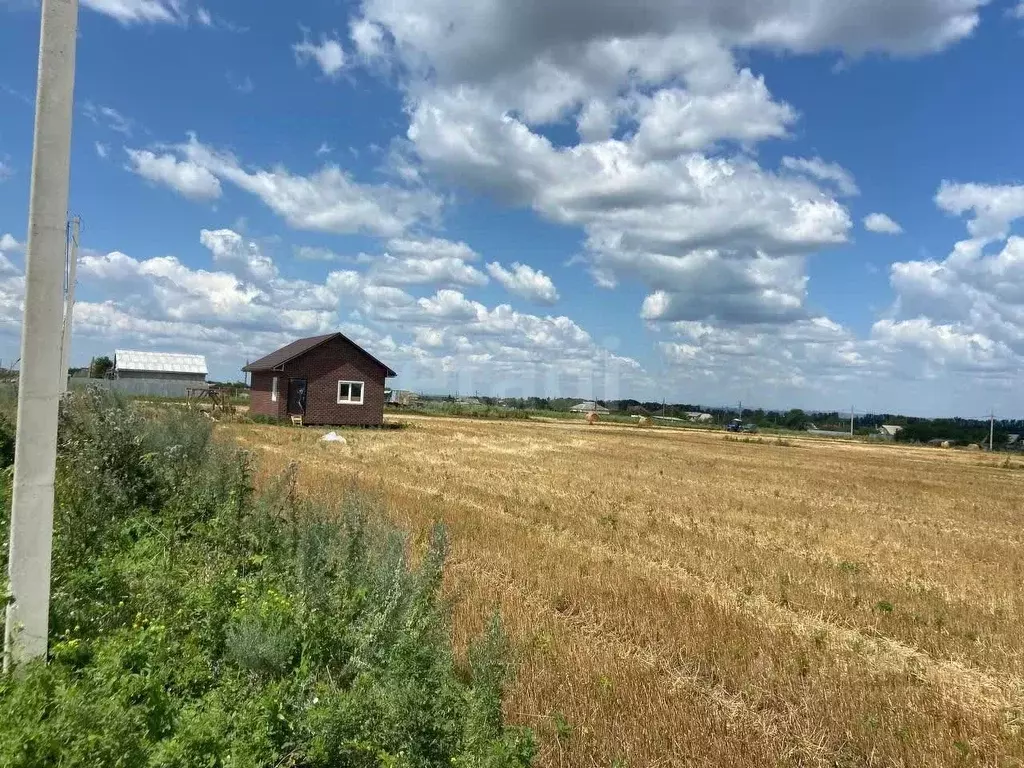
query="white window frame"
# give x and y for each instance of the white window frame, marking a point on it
(350, 401)
(274, 389)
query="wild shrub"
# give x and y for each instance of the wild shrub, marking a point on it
(6, 441)
(195, 622)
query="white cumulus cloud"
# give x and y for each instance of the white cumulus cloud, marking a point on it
(994, 206)
(329, 200)
(314, 253)
(525, 281)
(425, 261)
(243, 307)
(478, 40)
(368, 38)
(714, 234)
(664, 180)
(830, 173)
(9, 243)
(882, 224)
(183, 176)
(139, 11)
(966, 311)
(328, 54)
(245, 259)
(674, 120)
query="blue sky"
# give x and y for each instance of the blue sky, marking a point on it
(795, 202)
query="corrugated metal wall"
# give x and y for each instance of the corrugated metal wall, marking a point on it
(150, 387)
(191, 378)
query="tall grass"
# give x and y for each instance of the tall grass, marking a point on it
(196, 622)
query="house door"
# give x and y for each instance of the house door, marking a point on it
(296, 397)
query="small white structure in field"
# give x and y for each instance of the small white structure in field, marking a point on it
(333, 437)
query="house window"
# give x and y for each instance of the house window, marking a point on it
(273, 390)
(350, 393)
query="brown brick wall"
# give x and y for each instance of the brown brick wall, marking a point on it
(323, 368)
(259, 395)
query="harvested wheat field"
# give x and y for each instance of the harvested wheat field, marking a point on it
(677, 598)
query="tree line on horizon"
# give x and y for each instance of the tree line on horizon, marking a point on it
(915, 429)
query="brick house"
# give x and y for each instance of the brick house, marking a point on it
(328, 380)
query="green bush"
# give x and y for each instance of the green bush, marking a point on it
(6, 441)
(196, 623)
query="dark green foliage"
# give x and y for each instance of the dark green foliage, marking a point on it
(482, 411)
(795, 419)
(100, 367)
(195, 623)
(957, 431)
(6, 441)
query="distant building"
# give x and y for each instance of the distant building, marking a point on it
(400, 397)
(589, 407)
(166, 366)
(889, 431)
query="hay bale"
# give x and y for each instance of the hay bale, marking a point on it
(973, 447)
(645, 421)
(946, 444)
(591, 418)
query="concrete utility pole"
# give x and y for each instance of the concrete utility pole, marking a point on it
(992, 431)
(39, 388)
(74, 229)
(851, 421)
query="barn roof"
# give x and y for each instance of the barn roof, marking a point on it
(159, 362)
(300, 347)
(589, 407)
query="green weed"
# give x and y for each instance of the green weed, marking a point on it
(196, 622)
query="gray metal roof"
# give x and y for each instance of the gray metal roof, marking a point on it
(159, 362)
(589, 407)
